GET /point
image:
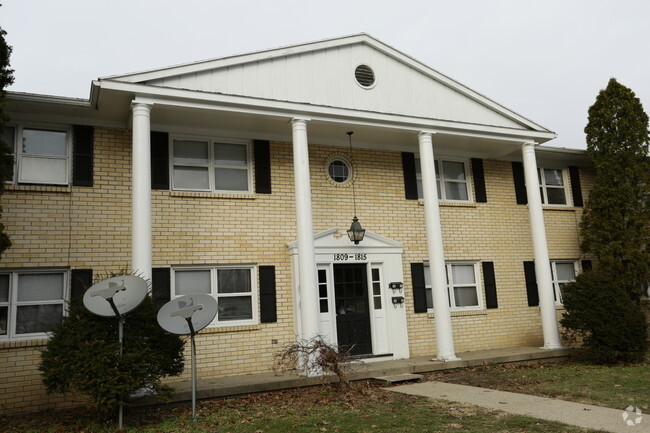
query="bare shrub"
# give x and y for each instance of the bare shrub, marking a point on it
(314, 357)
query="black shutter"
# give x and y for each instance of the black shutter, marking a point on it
(81, 280)
(520, 182)
(159, 160)
(262, 156)
(531, 284)
(160, 286)
(480, 194)
(574, 174)
(82, 155)
(586, 265)
(419, 288)
(410, 179)
(489, 282)
(268, 309)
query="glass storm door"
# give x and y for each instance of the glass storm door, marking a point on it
(352, 312)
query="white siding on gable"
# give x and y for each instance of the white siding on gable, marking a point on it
(326, 78)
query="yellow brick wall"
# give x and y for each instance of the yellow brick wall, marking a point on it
(79, 227)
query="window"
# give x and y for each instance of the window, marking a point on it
(339, 170)
(211, 165)
(562, 273)
(454, 186)
(232, 287)
(322, 291)
(43, 156)
(552, 186)
(31, 302)
(463, 287)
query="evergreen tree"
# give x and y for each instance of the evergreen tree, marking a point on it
(603, 307)
(6, 154)
(615, 226)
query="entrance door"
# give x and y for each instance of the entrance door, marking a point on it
(352, 313)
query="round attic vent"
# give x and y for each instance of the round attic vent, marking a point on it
(365, 76)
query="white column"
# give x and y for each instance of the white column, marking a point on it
(437, 270)
(141, 261)
(307, 278)
(542, 262)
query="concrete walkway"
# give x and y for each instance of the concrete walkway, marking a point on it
(220, 386)
(577, 414)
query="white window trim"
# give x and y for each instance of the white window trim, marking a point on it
(543, 186)
(13, 302)
(450, 286)
(213, 292)
(211, 140)
(556, 282)
(438, 161)
(18, 154)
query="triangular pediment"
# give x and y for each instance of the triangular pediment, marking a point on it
(323, 74)
(336, 239)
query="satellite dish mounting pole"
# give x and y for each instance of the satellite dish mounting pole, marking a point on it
(192, 333)
(120, 336)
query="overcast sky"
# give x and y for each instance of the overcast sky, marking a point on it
(544, 59)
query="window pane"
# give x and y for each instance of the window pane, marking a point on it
(455, 191)
(38, 318)
(191, 178)
(419, 187)
(230, 179)
(338, 171)
(376, 289)
(234, 281)
(463, 274)
(39, 142)
(453, 170)
(43, 170)
(187, 282)
(3, 320)
(553, 177)
(565, 271)
(190, 152)
(377, 301)
(322, 290)
(429, 298)
(4, 288)
(40, 287)
(324, 308)
(556, 195)
(230, 154)
(235, 308)
(465, 296)
(375, 274)
(322, 276)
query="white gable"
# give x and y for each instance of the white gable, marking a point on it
(335, 239)
(322, 74)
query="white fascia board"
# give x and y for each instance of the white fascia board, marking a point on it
(242, 104)
(48, 99)
(322, 45)
(561, 150)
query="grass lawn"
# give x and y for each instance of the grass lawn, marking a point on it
(610, 386)
(364, 407)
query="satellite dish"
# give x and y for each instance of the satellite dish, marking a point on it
(116, 296)
(200, 309)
